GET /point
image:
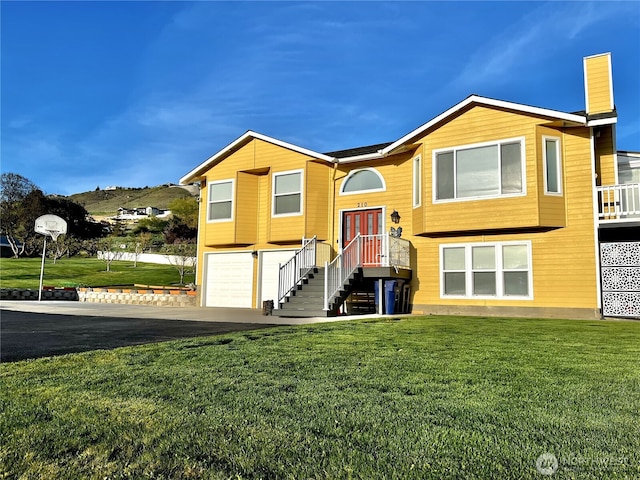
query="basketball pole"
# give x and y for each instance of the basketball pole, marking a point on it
(44, 249)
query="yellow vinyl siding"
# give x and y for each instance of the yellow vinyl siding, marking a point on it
(397, 174)
(598, 83)
(478, 125)
(605, 155)
(246, 214)
(287, 229)
(264, 209)
(563, 259)
(254, 165)
(317, 200)
(552, 207)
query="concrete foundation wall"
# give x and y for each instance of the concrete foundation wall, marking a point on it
(515, 312)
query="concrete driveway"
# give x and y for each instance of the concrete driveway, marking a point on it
(30, 329)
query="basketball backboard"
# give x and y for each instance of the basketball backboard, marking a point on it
(51, 225)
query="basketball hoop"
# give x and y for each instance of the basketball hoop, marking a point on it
(53, 226)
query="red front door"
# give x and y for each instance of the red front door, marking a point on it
(366, 223)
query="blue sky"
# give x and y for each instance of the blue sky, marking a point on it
(139, 93)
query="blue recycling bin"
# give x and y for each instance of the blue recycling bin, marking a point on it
(390, 296)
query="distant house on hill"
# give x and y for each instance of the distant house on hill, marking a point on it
(140, 212)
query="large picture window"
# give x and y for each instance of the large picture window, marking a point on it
(220, 201)
(287, 193)
(477, 171)
(499, 270)
(552, 166)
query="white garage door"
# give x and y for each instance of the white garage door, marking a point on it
(269, 261)
(228, 279)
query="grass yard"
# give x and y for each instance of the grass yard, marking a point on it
(89, 272)
(430, 397)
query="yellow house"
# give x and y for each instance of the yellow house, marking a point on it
(492, 208)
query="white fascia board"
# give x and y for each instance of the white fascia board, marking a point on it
(189, 177)
(602, 121)
(570, 117)
(295, 148)
(362, 158)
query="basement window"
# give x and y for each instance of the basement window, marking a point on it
(486, 270)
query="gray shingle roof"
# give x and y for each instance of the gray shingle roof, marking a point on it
(353, 152)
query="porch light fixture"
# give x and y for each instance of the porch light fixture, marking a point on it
(395, 217)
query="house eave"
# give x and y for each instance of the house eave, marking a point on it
(361, 158)
(196, 173)
(602, 121)
(478, 100)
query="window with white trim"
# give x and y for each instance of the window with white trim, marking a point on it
(417, 181)
(481, 170)
(552, 166)
(363, 180)
(220, 201)
(495, 270)
(287, 193)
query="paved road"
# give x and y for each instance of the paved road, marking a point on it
(38, 329)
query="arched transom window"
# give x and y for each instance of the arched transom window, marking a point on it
(365, 180)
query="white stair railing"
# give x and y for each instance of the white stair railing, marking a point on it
(292, 272)
(337, 272)
(619, 201)
(381, 250)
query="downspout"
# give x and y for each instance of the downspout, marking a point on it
(332, 209)
(200, 249)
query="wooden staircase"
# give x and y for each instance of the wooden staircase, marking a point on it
(307, 299)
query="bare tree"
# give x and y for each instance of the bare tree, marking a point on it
(59, 248)
(182, 256)
(142, 242)
(109, 251)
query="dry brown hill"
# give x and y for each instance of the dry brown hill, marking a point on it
(106, 202)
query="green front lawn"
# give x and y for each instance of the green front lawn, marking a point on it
(89, 272)
(430, 397)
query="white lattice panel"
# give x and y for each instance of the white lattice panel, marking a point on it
(621, 304)
(620, 279)
(620, 254)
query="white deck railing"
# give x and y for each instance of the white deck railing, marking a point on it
(619, 202)
(364, 251)
(292, 272)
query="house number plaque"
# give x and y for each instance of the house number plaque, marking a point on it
(362, 204)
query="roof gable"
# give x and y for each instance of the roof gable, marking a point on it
(239, 142)
(478, 100)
